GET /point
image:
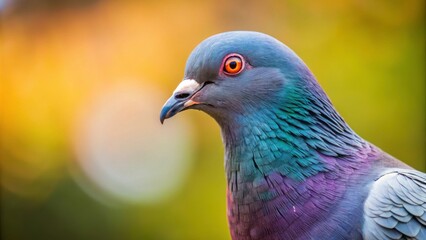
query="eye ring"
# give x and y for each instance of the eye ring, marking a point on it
(233, 64)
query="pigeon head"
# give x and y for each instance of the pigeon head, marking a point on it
(255, 87)
(235, 73)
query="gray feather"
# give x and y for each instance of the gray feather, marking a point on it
(396, 206)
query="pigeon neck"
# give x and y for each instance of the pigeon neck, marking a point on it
(295, 139)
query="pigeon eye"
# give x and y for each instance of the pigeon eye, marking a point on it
(233, 65)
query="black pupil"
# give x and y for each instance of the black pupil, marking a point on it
(233, 64)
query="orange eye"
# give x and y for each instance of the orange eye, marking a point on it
(233, 65)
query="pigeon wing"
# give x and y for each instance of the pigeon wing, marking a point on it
(396, 206)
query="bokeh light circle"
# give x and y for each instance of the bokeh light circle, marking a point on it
(125, 152)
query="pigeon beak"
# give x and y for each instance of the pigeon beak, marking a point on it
(181, 99)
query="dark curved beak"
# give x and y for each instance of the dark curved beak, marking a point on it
(170, 108)
(181, 99)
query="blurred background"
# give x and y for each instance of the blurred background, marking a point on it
(83, 154)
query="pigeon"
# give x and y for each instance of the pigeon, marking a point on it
(294, 168)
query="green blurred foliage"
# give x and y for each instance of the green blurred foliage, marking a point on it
(368, 55)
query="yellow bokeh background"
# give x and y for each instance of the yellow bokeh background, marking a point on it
(58, 56)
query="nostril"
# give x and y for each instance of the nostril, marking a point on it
(181, 95)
